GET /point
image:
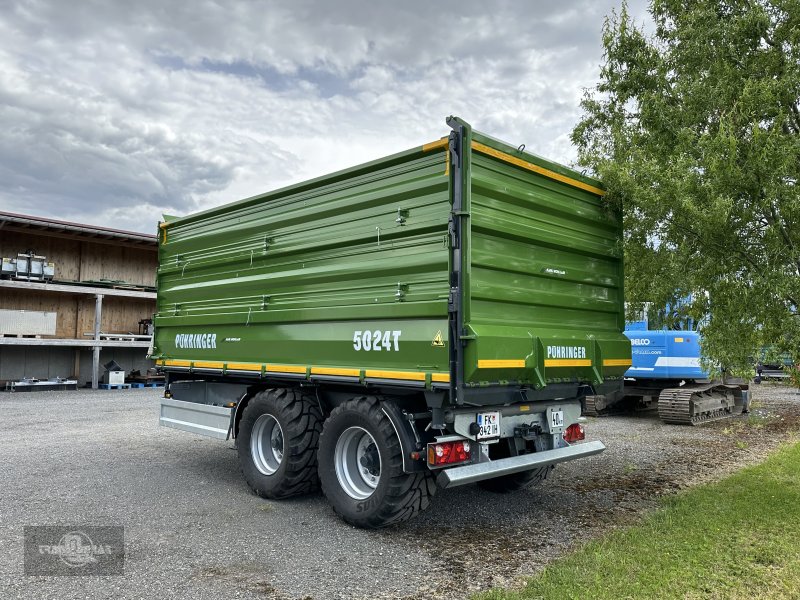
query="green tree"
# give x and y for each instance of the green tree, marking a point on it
(695, 130)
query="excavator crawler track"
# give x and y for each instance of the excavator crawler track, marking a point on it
(590, 407)
(698, 404)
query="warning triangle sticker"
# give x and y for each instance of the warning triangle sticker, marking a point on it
(437, 340)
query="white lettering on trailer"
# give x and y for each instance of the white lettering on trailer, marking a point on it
(204, 341)
(376, 341)
(566, 352)
(640, 341)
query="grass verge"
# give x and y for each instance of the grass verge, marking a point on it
(738, 538)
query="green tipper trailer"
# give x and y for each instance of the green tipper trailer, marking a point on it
(425, 320)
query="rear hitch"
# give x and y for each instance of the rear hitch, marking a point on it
(527, 432)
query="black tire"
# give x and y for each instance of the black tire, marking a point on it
(516, 481)
(397, 496)
(300, 422)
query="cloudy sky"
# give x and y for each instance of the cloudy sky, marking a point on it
(112, 113)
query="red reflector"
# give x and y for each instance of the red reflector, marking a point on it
(574, 433)
(448, 453)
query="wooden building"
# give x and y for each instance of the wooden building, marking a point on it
(103, 285)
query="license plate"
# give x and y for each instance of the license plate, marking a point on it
(488, 425)
(556, 419)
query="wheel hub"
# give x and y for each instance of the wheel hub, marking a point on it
(358, 463)
(276, 442)
(266, 444)
(369, 459)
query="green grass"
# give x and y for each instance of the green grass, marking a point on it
(738, 538)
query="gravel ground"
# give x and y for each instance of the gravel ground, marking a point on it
(193, 529)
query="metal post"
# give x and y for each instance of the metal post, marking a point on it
(98, 314)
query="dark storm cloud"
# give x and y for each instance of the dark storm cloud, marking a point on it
(119, 111)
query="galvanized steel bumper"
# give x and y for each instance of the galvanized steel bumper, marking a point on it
(516, 464)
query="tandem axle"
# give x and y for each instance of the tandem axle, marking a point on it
(501, 447)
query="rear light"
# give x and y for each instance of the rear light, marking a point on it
(448, 453)
(574, 433)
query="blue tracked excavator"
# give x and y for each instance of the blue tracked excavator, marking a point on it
(666, 373)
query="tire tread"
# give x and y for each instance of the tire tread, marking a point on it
(301, 437)
(516, 481)
(407, 493)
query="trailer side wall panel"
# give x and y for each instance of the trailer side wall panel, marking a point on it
(350, 276)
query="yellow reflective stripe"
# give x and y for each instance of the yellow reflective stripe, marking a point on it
(561, 362)
(617, 362)
(178, 363)
(374, 373)
(335, 371)
(501, 363)
(205, 364)
(411, 375)
(244, 367)
(536, 168)
(285, 369)
(442, 143)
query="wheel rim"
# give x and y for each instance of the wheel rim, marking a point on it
(266, 444)
(358, 463)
